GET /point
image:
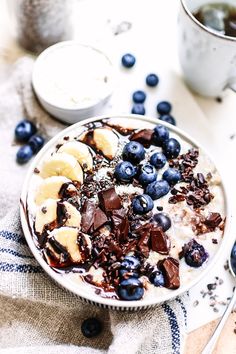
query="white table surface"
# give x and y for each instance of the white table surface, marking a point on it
(153, 39)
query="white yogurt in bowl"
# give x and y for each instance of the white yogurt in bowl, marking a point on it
(64, 215)
(72, 81)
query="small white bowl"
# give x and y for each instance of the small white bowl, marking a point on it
(79, 290)
(73, 81)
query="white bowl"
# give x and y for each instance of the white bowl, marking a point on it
(73, 81)
(74, 288)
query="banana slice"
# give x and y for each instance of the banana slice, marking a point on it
(74, 216)
(69, 238)
(49, 212)
(62, 164)
(106, 141)
(46, 214)
(50, 188)
(80, 151)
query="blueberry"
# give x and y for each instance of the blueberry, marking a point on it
(142, 204)
(130, 289)
(130, 263)
(158, 160)
(24, 130)
(172, 176)
(162, 220)
(160, 135)
(128, 60)
(124, 273)
(36, 142)
(233, 258)
(194, 254)
(147, 174)
(156, 278)
(138, 108)
(171, 148)
(157, 189)
(152, 80)
(91, 327)
(133, 152)
(139, 96)
(164, 107)
(168, 119)
(125, 171)
(24, 154)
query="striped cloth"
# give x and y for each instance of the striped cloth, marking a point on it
(35, 314)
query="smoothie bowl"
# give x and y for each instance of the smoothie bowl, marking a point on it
(126, 212)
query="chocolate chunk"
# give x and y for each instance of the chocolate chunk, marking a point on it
(120, 224)
(144, 240)
(170, 268)
(159, 241)
(88, 213)
(213, 220)
(143, 136)
(100, 218)
(109, 199)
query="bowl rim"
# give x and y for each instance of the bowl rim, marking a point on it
(75, 289)
(37, 71)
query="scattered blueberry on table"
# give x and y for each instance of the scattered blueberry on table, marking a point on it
(233, 258)
(138, 108)
(133, 152)
(152, 80)
(91, 327)
(139, 96)
(125, 171)
(24, 154)
(36, 142)
(130, 289)
(128, 60)
(164, 107)
(168, 119)
(172, 176)
(142, 204)
(24, 130)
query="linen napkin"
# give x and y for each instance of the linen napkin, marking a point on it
(35, 314)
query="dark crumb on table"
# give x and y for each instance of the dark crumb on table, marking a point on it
(226, 266)
(232, 136)
(122, 27)
(196, 303)
(36, 170)
(219, 99)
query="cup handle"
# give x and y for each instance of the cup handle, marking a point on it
(232, 84)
